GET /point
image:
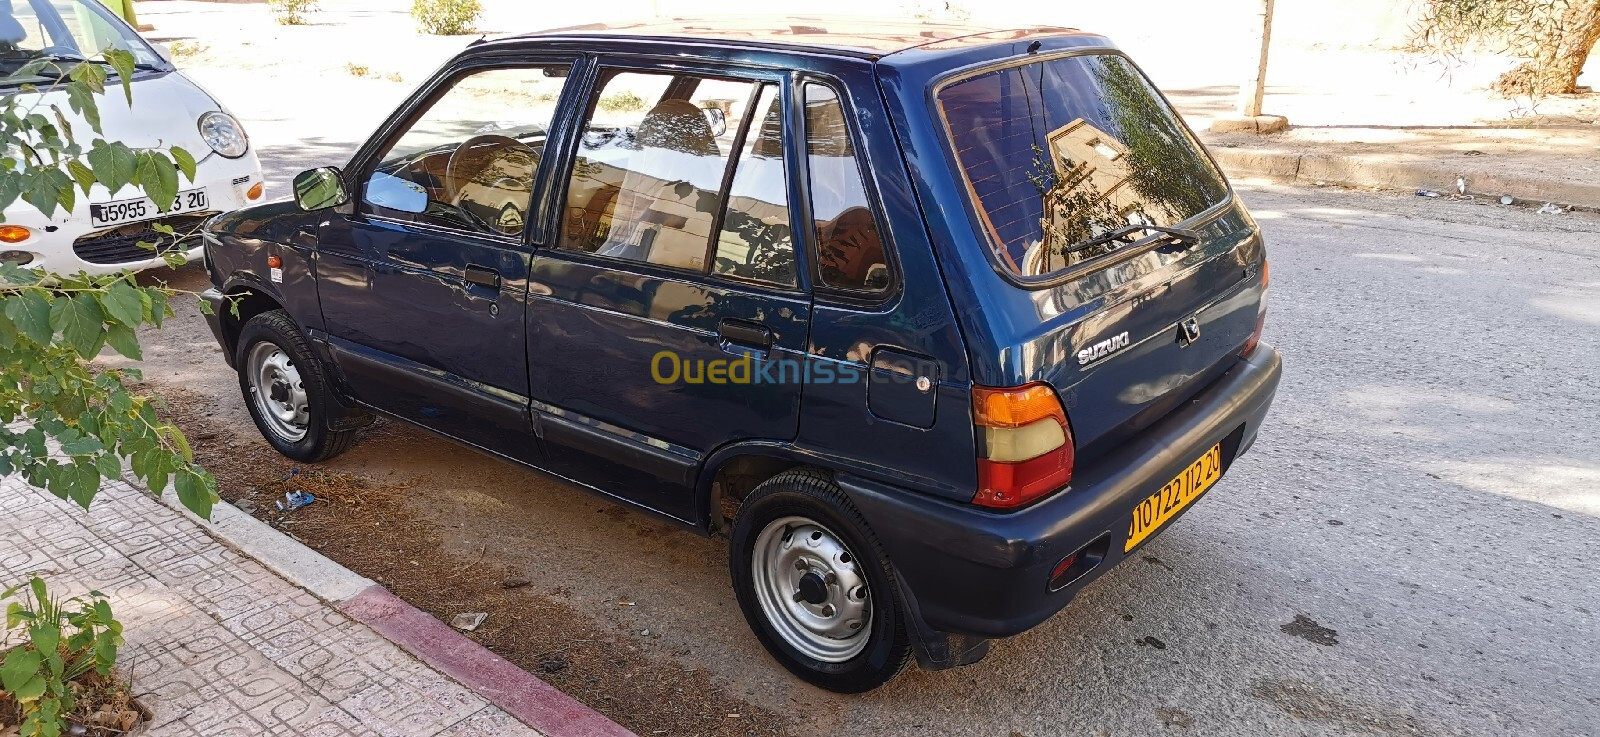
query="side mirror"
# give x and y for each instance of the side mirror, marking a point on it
(320, 189)
(164, 51)
(718, 121)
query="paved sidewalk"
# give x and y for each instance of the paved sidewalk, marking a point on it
(219, 645)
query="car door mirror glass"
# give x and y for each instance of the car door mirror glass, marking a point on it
(320, 189)
(393, 193)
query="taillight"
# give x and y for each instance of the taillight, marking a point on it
(1027, 444)
(1261, 315)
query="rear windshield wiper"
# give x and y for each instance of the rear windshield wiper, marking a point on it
(1181, 235)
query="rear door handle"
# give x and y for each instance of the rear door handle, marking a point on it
(745, 334)
(483, 276)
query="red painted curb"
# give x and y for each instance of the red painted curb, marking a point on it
(518, 692)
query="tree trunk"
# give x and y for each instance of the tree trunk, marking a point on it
(1556, 67)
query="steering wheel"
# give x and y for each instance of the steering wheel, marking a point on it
(477, 151)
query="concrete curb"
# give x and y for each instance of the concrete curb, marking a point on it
(515, 691)
(1370, 171)
(519, 693)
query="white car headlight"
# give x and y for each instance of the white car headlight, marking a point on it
(224, 134)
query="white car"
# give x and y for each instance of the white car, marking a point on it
(101, 234)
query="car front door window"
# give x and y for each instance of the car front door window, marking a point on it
(468, 162)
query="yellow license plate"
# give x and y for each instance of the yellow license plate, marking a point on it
(1162, 506)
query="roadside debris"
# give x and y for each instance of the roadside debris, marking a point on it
(1506, 199)
(625, 602)
(1550, 208)
(294, 500)
(515, 583)
(468, 621)
(1428, 193)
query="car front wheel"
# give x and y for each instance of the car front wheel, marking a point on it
(814, 586)
(287, 390)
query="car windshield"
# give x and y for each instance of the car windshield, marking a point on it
(66, 30)
(1060, 152)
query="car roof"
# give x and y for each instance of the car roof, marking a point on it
(852, 35)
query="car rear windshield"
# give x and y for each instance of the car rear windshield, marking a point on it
(1057, 152)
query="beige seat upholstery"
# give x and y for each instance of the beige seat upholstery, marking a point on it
(654, 209)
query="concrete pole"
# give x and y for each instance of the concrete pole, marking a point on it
(1254, 88)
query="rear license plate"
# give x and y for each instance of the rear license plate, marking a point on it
(1160, 507)
(106, 214)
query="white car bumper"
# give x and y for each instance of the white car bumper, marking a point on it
(67, 242)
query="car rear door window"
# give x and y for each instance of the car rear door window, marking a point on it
(1057, 152)
(755, 240)
(850, 252)
(651, 163)
(468, 161)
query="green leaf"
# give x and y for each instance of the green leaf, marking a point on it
(30, 690)
(81, 174)
(8, 336)
(108, 465)
(105, 652)
(155, 172)
(185, 162)
(113, 164)
(182, 442)
(124, 341)
(80, 445)
(197, 492)
(83, 483)
(80, 97)
(122, 61)
(30, 311)
(40, 594)
(20, 665)
(42, 194)
(123, 303)
(46, 636)
(81, 322)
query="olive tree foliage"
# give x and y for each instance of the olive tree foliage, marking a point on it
(1555, 37)
(63, 425)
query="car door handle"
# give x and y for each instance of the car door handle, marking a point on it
(483, 276)
(745, 334)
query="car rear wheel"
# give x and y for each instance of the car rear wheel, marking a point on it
(814, 585)
(287, 390)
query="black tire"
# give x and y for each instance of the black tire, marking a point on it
(811, 494)
(319, 441)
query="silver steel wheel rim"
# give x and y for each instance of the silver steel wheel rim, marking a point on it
(278, 392)
(812, 590)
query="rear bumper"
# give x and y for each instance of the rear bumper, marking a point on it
(978, 574)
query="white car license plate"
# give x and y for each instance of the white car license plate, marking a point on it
(105, 214)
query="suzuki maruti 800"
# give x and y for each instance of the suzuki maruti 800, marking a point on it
(935, 324)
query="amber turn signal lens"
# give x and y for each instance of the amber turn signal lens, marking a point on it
(274, 262)
(1015, 407)
(14, 233)
(255, 192)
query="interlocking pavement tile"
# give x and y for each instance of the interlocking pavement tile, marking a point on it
(418, 701)
(490, 722)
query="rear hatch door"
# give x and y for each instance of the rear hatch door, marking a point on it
(1134, 275)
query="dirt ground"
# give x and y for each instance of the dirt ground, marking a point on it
(387, 511)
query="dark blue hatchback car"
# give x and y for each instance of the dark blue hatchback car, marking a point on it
(936, 324)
